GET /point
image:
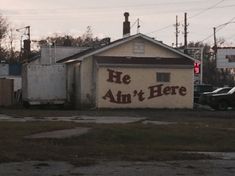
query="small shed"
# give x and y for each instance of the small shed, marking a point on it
(132, 72)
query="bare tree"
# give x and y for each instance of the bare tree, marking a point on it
(3, 28)
(3, 34)
(85, 40)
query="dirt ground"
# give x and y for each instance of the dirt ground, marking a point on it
(216, 166)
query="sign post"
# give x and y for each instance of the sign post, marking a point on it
(197, 53)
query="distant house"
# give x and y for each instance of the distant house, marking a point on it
(10, 83)
(133, 72)
(43, 80)
(12, 71)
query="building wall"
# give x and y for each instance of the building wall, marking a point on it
(93, 90)
(4, 69)
(51, 54)
(143, 91)
(73, 85)
(86, 79)
(70, 83)
(15, 69)
(17, 81)
(77, 83)
(44, 83)
(139, 48)
(6, 92)
(225, 58)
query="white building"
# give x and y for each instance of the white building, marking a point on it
(133, 72)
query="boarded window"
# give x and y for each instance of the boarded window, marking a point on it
(163, 77)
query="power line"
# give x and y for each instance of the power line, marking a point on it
(220, 27)
(160, 29)
(209, 8)
(231, 36)
(48, 12)
(122, 6)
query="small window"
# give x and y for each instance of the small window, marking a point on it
(138, 47)
(163, 77)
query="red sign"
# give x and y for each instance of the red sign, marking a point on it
(196, 68)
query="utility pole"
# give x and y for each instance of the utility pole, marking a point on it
(138, 26)
(185, 33)
(215, 40)
(28, 28)
(177, 24)
(11, 44)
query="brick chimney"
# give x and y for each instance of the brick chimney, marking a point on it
(126, 26)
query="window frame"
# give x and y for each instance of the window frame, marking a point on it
(163, 77)
(139, 47)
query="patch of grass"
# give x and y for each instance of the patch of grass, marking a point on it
(180, 115)
(117, 142)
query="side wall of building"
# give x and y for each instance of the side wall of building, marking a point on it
(93, 89)
(138, 88)
(70, 83)
(44, 84)
(87, 95)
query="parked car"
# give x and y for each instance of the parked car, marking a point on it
(200, 89)
(223, 101)
(204, 97)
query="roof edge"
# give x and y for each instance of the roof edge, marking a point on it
(124, 40)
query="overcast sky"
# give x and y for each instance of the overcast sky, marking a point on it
(106, 16)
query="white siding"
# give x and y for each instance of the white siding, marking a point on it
(44, 83)
(86, 78)
(222, 58)
(4, 69)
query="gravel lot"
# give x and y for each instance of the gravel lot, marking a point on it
(121, 168)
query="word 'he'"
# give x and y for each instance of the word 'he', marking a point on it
(118, 77)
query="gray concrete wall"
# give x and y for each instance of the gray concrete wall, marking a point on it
(51, 54)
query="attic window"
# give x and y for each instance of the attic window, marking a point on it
(163, 77)
(139, 47)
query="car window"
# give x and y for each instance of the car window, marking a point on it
(221, 90)
(224, 91)
(217, 90)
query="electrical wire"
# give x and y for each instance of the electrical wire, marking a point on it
(220, 27)
(70, 10)
(209, 8)
(123, 6)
